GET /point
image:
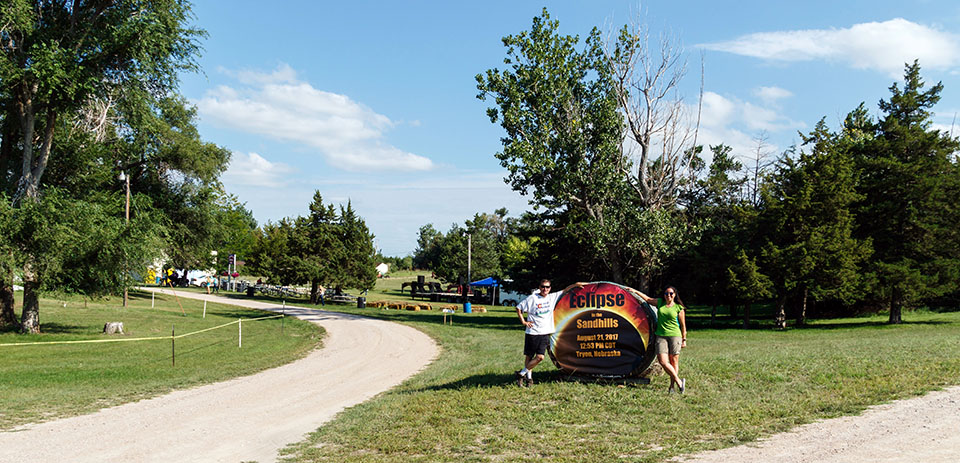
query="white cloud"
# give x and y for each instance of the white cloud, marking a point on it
(253, 170)
(283, 74)
(952, 129)
(761, 118)
(717, 110)
(738, 124)
(720, 111)
(347, 134)
(771, 95)
(882, 46)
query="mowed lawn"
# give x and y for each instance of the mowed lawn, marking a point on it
(742, 384)
(43, 382)
(464, 407)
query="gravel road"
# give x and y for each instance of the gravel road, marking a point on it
(245, 419)
(922, 429)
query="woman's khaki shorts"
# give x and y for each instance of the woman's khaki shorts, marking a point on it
(669, 345)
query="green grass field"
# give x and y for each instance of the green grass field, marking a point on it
(742, 384)
(44, 382)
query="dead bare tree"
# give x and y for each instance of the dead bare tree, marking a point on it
(760, 164)
(647, 85)
(95, 117)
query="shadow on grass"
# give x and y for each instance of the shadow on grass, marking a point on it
(202, 347)
(509, 379)
(728, 323)
(868, 324)
(239, 312)
(183, 353)
(61, 328)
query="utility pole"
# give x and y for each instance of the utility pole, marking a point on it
(469, 279)
(126, 179)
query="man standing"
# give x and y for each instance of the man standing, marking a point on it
(539, 326)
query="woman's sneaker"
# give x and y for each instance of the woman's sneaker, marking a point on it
(683, 384)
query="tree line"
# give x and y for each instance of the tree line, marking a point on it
(90, 112)
(88, 95)
(326, 247)
(862, 217)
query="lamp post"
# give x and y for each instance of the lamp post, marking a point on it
(126, 179)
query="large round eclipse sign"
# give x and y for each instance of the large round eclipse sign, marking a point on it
(602, 330)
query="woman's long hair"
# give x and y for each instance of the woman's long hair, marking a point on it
(676, 296)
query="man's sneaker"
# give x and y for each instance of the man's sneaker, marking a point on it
(529, 381)
(521, 379)
(683, 384)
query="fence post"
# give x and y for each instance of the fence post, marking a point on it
(204, 309)
(153, 299)
(173, 344)
(239, 332)
(283, 315)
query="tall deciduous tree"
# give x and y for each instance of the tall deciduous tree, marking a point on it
(8, 263)
(426, 254)
(564, 124)
(563, 129)
(55, 57)
(235, 229)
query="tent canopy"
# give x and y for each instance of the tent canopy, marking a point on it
(489, 281)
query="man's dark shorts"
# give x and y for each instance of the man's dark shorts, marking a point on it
(535, 344)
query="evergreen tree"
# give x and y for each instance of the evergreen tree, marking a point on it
(715, 202)
(319, 246)
(809, 225)
(911, 188)
(357, 267)
(748, 283)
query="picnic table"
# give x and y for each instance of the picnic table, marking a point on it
(444, 296)
(340, 299)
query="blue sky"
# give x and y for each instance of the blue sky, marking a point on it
(375, 101)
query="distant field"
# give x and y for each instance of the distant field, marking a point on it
(387, 289)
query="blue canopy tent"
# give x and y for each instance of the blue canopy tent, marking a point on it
(486, 282)
(489, 282)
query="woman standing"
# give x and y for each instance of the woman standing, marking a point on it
(671, 333)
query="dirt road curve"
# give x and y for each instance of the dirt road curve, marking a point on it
(244, 419)
(922, 429)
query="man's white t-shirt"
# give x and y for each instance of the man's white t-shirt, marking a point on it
(539, 310)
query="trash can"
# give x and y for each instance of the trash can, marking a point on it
(466, 308)
(361, 302)
(250, 290)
